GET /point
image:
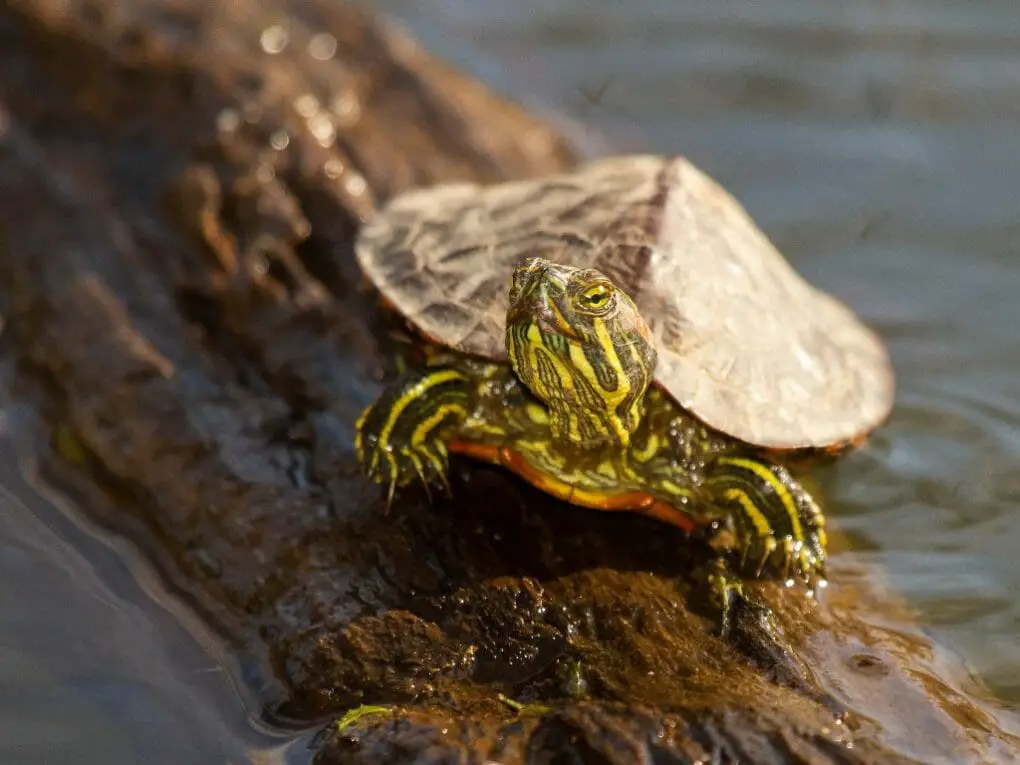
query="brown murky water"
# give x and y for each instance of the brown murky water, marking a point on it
(876, 141)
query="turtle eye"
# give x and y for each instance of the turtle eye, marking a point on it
(596, 297)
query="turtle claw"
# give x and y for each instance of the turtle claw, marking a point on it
(804, 561)
(791, 559)
(419, 469)
(757, 552)
(390, 494)
(398, 467)
(723, 590)
(380, 467)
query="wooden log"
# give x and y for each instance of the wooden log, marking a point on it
(180, 184)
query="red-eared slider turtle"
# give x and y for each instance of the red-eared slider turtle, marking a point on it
(624, 338)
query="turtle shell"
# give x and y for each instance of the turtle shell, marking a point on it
(745, 344)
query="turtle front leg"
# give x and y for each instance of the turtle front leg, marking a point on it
(403, 435)
(778, 528)
(777, 524)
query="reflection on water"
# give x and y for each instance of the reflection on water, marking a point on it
(876, 142)
(99, 664)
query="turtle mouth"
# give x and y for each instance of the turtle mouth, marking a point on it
(551, 321)
(547, 311)
(542, 312)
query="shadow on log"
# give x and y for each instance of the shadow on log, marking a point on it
(177, 208)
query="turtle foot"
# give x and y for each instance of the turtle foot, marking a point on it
(401, 465)
(779, 527)
(401, 437)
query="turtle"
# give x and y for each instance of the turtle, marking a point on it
(623, 337)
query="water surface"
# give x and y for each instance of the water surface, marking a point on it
(100, 664)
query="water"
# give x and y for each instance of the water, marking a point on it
(876, 142)
(99, 663)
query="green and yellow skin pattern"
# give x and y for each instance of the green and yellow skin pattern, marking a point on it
(576, 415)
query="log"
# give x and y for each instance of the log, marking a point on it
(180, 185)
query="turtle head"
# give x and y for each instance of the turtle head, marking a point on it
(579, 344)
